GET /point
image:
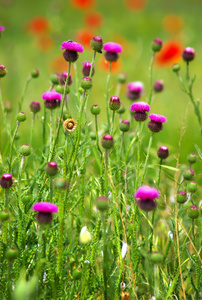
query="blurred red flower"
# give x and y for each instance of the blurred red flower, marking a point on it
(93, 19)
(170, 53)
(84, 36)
(45, 42)
(82, 4)
(38, 25)
(135, 5)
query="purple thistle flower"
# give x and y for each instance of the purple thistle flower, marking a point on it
(163, 152)
(44, 211)
(155, 124)
(86, 68)
(145, 196)
(52, 99)
(135, 90)
(140, 109)
(71, 50)
(112, 50)
(2, 28)
(188, 54)
(6, 181)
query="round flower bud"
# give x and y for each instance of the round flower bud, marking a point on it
(102, 203)
(35, 73)
(4, 216)
(156, 45)
(86, 68)
(52, 168)
(156, 257)
(21, 117)
(12, 253)
(86, 83)
(188, 174)
(6, 181)
(188, 54)
(61, 183)
(77, 274)
(124, 125)
(192, 187)
(158, 86)
(193, 212)
(107, 141)
(176, 68)
(93, 135)
(25, 150)
(3, 71)
(95, 109)
(54, 79)
(85, 236)
(192, 158)
(121, 110)
(121, 78)
(7, 106)
(96, 44)
(163, 152)
(114, 103)
(181, 197)
(35, 106)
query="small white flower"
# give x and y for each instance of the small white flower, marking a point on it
(86, 262)
(170, 234)
(124, 250)
(85, 236)
(110, 195)
(42, 117)
(188, 196)
(44, 277)
(122, 285)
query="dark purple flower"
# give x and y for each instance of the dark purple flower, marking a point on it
(45, 211)
(163, 152)
(139, 110)
(86, 68)
(155, 124)
(71, 50)
(188, 54)
(135, 90)
(112, 50)
(6, 181)
(52, 99)
(145, 196)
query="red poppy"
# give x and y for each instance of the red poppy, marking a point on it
(173, 23)
(38, 25)
(93, 19)
(115, 65)
(135, 5)
(45, 42)
(84, 36)
(170, 53)
(82, 4)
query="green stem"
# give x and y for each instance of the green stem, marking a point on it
(11, 148)
(150, 78)
(112, 127)
(138, 157)
(51, 127)
(147, 157)
(107, 93)
(97, 138)
(32, 128)
(23, 94)
(44, 132)
(51, 189)
(159, 175)
(156, 293)
(92, 63)
(105, 259)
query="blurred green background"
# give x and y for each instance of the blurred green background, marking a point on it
(35, 30)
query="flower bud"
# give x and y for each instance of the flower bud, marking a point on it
(12, 253)
(61, 183)
(188, 54)
(102, 203)
(163, 152)
(156, 257)
(114, 103)
(6, 181)
(192, 158)
(54, 79)
(181, 197)
(60, 89)
(4, 216)
(7, 106)
(156, 45)
(121, 110)
(95, 109)
(107, 141)
(21, 117)
(158, 86)
(124, 125)
(25, 150)
(97, 44)
(3, 71)
(93, 135)
(77, 274)
(176, 68)
(188, 174)
(121, 78)
(86, 83)
(192, 187)
(52, 168)
(35, 73)
(193, 212)
(35, 106)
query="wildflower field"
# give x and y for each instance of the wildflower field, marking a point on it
(100, 150)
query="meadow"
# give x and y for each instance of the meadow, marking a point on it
(100, 150)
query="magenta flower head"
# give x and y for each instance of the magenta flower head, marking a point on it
(139, 110)
(6, 181)
(35, 106)
(135, 90)
(52, 99)
(112, 50)
(45, 211)
(2, 28)
(86, 68)
(156, 45)
(155, 124)
(71, 50)
(163, 152)
(188, 54)
(145, 196)
(114, 103)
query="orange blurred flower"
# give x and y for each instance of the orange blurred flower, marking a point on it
(38, 25)
(170, 53)
(59, 64)
(84, 36)
(82, 4)
(135, 5)
(45, 42)
(116, 66)
(93, 19)
(173, 23)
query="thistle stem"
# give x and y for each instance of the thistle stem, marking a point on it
(147, 157)
(11, 148)
(107, 93)
(24, 92)
(150, 78)
(97, 138)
